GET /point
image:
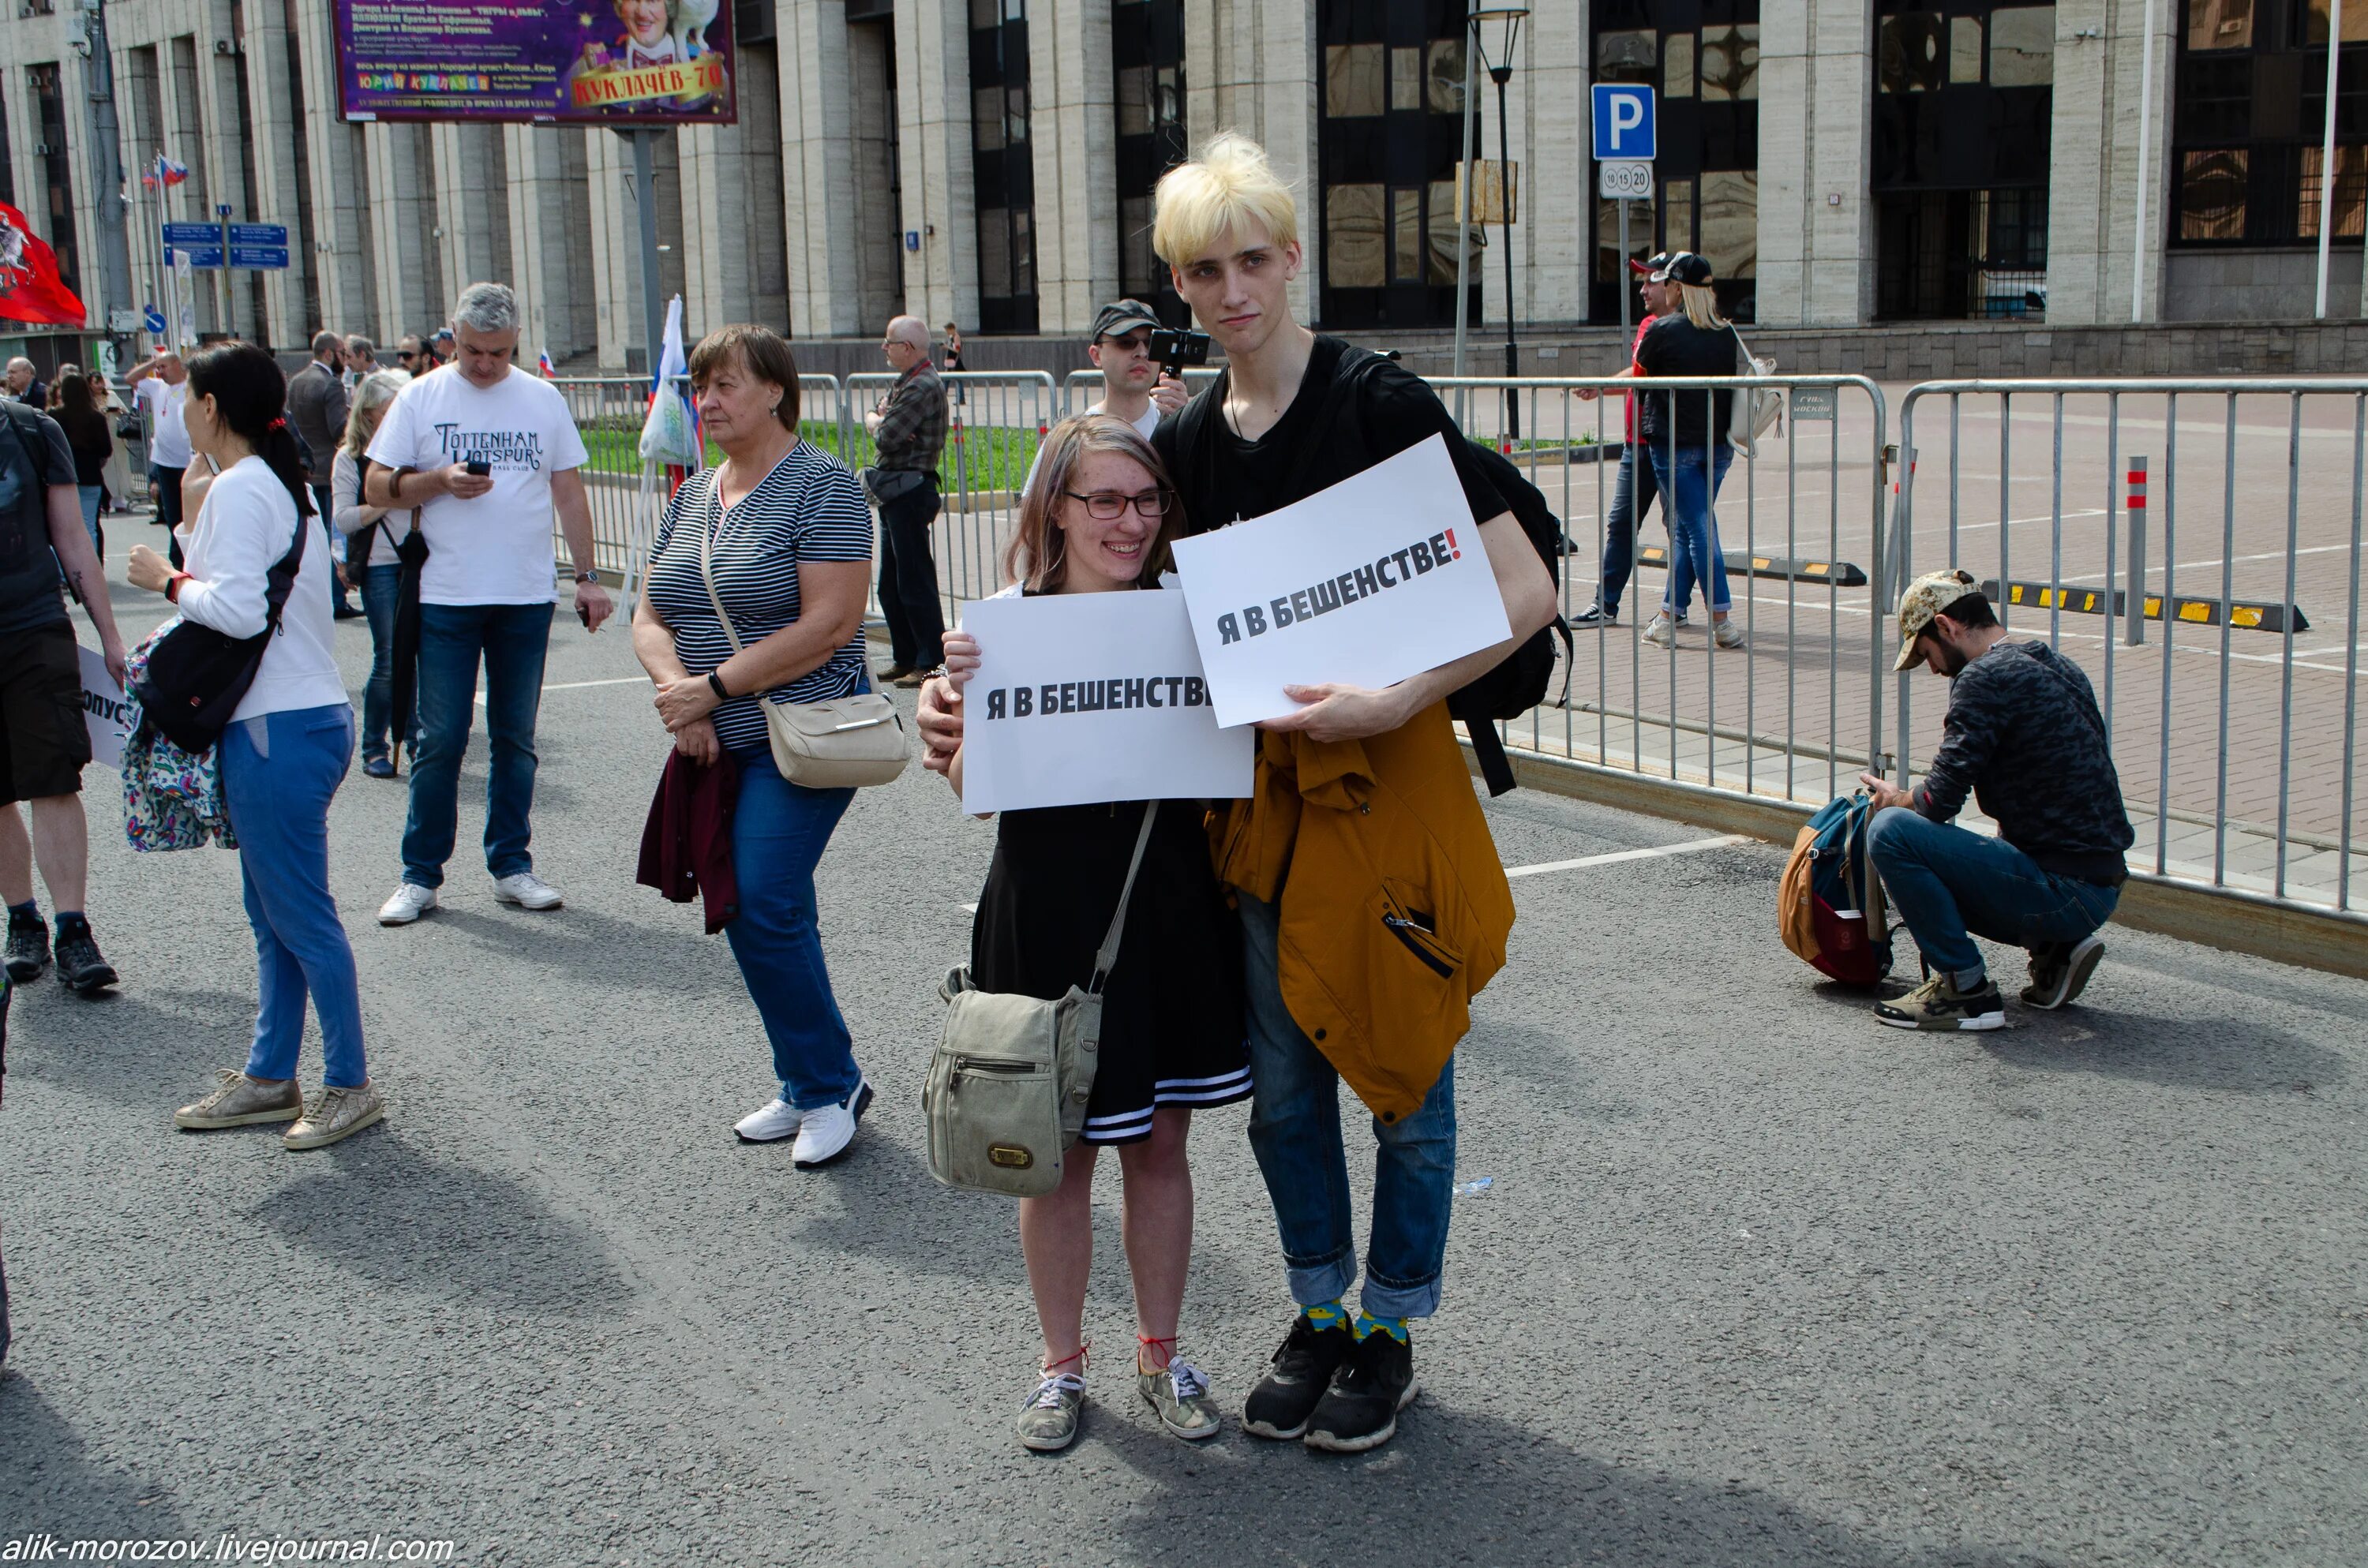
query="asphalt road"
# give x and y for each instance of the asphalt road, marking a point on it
(1756, 1282)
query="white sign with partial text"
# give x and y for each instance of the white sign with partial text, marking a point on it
(1084, 697)
(1379, 577)
(105, 708)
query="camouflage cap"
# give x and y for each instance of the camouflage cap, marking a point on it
(1925, 599)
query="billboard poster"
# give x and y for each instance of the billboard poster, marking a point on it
(587, 62)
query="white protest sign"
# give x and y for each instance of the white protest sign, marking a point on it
(104, 708)
(1080, 698)
(1380, 577)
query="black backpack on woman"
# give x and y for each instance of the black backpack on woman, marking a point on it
(197, 676)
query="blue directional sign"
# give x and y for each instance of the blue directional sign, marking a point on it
(1624, 122)
(267, 258)
(202, 243)
(263, 235)
(152, 318)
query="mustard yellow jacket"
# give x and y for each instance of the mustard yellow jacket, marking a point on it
(1395, 908)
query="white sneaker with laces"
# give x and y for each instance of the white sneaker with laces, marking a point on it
(1661, 631)
(1727, 634)
(824, 1132)
(410, 902)
(527, 891)
(769, 1123)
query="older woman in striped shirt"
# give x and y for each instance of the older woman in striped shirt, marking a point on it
(784, 530)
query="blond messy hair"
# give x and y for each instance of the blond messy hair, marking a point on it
(1229, 185)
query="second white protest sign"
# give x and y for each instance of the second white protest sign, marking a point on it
(1379, 577)
(1084, 697)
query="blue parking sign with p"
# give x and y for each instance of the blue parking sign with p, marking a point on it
(1624, 120)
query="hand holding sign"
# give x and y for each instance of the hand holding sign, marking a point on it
(1380, 577)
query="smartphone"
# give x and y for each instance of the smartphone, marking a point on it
(1175, 348)
(479, 467)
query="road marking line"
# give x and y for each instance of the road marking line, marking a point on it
(578, 686)
(1693, 846)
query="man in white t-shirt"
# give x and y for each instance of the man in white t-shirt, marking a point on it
(160, 385)
(486, 452)
(1133, 388)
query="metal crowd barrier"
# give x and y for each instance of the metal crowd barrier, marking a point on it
(1081, 388)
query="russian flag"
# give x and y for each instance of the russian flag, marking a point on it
(169, 171)
(542, 365)
(671, 433)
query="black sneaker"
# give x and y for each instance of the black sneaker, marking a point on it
(1359, 1411)
(29, 948)
(2060, 970)
(84, 972)
(1304, 1364)
(1939, 1004)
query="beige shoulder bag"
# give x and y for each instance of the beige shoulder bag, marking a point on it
(1007, 1090)
(844, 743)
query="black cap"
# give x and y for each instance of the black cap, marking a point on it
(1123, 316)
(1686, 267)
(1660, 259)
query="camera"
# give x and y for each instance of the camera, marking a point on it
(1175, 348)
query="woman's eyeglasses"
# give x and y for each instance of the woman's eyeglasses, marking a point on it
(1106, 507)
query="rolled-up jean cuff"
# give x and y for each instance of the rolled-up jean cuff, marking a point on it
(1318, 1283)
(1389, 1299)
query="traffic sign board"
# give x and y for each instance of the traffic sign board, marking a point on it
(153, 319)
(268, 259)
(274, 235)
(1624, 122)
(191, 236)
(1629, 179)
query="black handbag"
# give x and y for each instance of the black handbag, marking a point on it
(197, 676)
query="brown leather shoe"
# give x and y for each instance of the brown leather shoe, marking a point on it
(892, 675)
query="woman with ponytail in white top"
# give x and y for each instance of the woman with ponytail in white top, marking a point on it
(286, 751)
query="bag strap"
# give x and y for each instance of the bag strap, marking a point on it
(707, 569)
(282, 577)
(1107, 958)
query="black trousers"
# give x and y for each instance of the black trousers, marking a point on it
(908, 579)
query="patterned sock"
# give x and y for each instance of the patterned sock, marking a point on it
(29, 910)
(1324, 1315)
(1370, 1325)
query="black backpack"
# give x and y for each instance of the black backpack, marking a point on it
(1514, 686)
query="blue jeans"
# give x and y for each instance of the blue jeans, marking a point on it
(323, 503)
(1295, 1133)
(90, 495)
(382, 587)
(1631, 495)
(779, 832)
(1946, 881)
(1687, 487)
(512, 640)
(278, 773)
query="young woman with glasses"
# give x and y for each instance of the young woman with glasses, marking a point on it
(1100, 519)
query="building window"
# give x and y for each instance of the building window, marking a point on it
(1964, 104)
(1147, 44)
(49, 121)
(1002, 165)
(1703, 57)
(2249, 118)
(1390, 135)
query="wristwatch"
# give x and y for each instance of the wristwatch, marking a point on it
(591, 575)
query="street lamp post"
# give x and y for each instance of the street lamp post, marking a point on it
(1507, 20)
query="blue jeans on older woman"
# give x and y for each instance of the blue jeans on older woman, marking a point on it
(1689, 479)
(779, 832)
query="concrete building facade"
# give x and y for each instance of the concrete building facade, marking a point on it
(1846, 164)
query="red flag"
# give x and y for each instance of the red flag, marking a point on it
(30, 288)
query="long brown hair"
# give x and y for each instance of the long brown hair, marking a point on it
(1036, 558)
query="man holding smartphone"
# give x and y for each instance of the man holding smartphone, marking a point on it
(1135, 387)
(487, 454)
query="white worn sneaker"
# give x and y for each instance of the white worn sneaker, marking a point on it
(1662, 631)
(1727, 634)
(410, 902)
(824, 1132)
(769, 1123)
(527, 891)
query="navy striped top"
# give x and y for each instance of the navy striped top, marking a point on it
(809, 508)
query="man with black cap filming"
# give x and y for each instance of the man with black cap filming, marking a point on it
(1134, 386)
(2023, 736)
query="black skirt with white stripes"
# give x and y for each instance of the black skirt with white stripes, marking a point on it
(1172, 1022)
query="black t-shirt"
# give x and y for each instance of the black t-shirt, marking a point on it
(92, 442)
(1320, 440)
(1676, 346)
(31, 592)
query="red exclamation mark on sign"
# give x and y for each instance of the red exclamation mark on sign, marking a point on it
(1453, 550)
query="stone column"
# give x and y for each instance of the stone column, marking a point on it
(412, 296)
(473, 220)
(933, 107)
(1557, 181)
(615, 244)
(339, 186)
(2093, 151)
(1257, 69)
(1816, 218)
(733, 239)
(1072, 92)
(821, 178)
(550, 239)
(269, 140)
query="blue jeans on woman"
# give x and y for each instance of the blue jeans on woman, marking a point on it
(279, 771)
(91, 495)
(779, 832)
(513, 640)
(1689, 479)
(1295, 1133)
(381, 589)
(1946, 881)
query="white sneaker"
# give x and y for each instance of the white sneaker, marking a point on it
(824, 1132)
(527, 891)
(769, 1123)
(1660, 630)
(410, 902)
(1727, 634)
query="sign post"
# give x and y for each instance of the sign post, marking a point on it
(1626, 137)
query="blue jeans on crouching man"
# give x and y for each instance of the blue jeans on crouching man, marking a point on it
(779, 832)
(511, 641)
(1295, 1133)
(1947, 882)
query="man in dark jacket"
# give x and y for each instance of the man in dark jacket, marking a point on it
(2024, 736)
(316, 408)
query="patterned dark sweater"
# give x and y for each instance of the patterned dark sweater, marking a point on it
(2024, 736)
